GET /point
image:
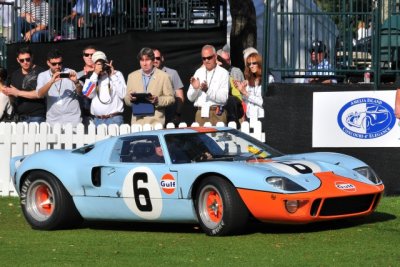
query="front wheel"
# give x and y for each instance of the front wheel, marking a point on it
(219, 208)
(46, 204)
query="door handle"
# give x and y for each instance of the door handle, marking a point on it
(111, 171)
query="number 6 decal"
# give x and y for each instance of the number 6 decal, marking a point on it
(142, 194)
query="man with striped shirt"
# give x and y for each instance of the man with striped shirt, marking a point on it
(32, 21)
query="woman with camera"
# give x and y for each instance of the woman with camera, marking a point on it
(107, 88)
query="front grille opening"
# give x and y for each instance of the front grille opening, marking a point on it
(315, 207)
(346, 205)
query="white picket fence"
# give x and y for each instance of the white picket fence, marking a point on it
(24, 139)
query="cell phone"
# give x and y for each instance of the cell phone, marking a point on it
(64, 75)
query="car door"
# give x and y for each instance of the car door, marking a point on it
(138, 176)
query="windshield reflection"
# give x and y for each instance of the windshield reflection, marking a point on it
(228, 145)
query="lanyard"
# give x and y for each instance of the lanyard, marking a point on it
(212, 76)
(59, 83)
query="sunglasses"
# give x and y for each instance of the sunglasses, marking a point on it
(87, 54)
(207, 58)
(22, 60)
(251, 63)
(157, 58)
(56, 63)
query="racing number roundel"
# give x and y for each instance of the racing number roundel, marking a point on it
(142, 194)
(296, 167)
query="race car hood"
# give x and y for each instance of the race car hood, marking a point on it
(304, 168)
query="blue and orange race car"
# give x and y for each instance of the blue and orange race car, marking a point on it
(217, 177)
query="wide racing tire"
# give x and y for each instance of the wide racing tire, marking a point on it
(220, 210)
(46, 204)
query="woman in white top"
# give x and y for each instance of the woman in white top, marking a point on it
(251, 88)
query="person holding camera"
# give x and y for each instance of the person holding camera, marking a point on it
(59, 85)
(61, 88)
(107, 88)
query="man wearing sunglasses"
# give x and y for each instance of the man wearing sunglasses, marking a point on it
(86, 72)
(23, 87)
(61, 88)
(209, 89)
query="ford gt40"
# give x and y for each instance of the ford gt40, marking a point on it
(217, 177)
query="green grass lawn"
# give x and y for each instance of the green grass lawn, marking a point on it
(370, 241)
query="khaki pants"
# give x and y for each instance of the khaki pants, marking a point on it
(213, 117)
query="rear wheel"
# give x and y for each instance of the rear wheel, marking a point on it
(219, 208)
(46, 204)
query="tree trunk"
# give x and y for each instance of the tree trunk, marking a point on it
(244, 29)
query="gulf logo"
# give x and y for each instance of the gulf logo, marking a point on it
(168, 184)
(345, 186)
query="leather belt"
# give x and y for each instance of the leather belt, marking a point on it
(211, 108)
(108, 116)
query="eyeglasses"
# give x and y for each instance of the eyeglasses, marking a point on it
(251, 63)
(157, 58)
(56, 63)
(207, 58)
(87, 54)
(22, 60)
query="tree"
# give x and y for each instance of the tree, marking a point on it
(244, 29)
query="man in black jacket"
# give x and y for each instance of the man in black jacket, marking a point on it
(23, 87)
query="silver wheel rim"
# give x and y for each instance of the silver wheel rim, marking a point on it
(40, 201)
(210, 206)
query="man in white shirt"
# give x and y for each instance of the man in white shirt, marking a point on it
(209, 89)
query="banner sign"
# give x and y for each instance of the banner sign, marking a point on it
(355, 119)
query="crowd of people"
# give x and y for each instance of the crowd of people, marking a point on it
(98, 93)
(31, 23)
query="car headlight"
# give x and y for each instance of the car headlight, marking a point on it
(284, 183)
(369, 173)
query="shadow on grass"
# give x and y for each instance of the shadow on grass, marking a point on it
(251, 228)
(269, 228)
(143, 226)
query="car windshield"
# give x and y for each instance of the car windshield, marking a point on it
(227, 145)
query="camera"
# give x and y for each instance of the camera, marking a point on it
(64, 75)
(106, 68)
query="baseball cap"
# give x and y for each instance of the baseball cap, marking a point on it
(248, 51)
(98, 55)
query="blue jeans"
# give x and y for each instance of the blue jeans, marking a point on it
(23, 26)
(113, 120)
(29, 119)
